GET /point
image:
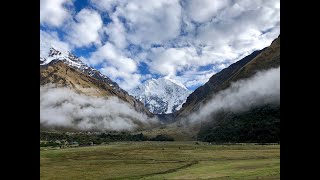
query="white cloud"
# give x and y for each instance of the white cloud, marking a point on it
(168, 61)
(54, 12)
(189, 34)
(116, 33)
(230, 26)
(112, 56)
(84, 31)
(64, 108)
(263, 88)
(116, 65)
(193, 78)
(148, 22)
(105, 5)
(152, 21)
(224, 34)
(204, 10)
(125, 80)
(52, 38)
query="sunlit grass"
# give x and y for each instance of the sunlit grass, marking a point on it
(162, 160)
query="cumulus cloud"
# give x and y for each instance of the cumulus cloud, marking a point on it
(85, 30)
(152, 22)
(173, 38)
(224, 32)
(116, 65)
(262, 88)
(105, 5)
(168, 61)
(116, 32)
(55, 12)
(61, 107)
(205, 10)
(194, 78)
(52, 38)
(125, 80)
(111, 55)
(147, 22)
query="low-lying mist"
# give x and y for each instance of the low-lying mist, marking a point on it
(263, 88)
(61, 107)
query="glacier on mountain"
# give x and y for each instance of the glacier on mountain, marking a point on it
(161, 96)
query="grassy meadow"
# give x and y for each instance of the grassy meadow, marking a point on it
(161, 160)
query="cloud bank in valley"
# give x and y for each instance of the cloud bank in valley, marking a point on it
(262, 88)
(61, 107)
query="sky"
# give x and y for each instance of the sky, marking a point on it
(131, 41)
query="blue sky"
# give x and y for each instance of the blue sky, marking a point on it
(131, 41)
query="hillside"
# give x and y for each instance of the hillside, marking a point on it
(256, 123)
(259, 123)
(259, 60)
(63, 75)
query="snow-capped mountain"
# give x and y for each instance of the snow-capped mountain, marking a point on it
(51, 54)
(161, 96)
(63, 69)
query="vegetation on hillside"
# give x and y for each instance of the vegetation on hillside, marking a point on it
(90, 138)
(259, 125)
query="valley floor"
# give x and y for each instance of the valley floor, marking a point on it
(161, 160)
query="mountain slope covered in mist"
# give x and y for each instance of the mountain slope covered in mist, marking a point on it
(60, 70)
(239, 104)
(63, 75)
(259, 60)
(249, 110)
(258, 124)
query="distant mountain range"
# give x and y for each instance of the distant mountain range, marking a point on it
(172, 101)
(161, 96)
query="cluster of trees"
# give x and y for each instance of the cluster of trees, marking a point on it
(85, 139)
(49, 143)
(162, 137)
(259, 125)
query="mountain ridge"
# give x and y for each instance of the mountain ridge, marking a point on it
(63, 69)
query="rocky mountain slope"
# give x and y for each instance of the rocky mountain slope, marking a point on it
(63, 69)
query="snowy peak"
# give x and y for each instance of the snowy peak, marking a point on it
(161, 96)
(175, 82)
(52, 54)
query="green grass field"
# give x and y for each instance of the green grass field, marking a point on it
(162, 160)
